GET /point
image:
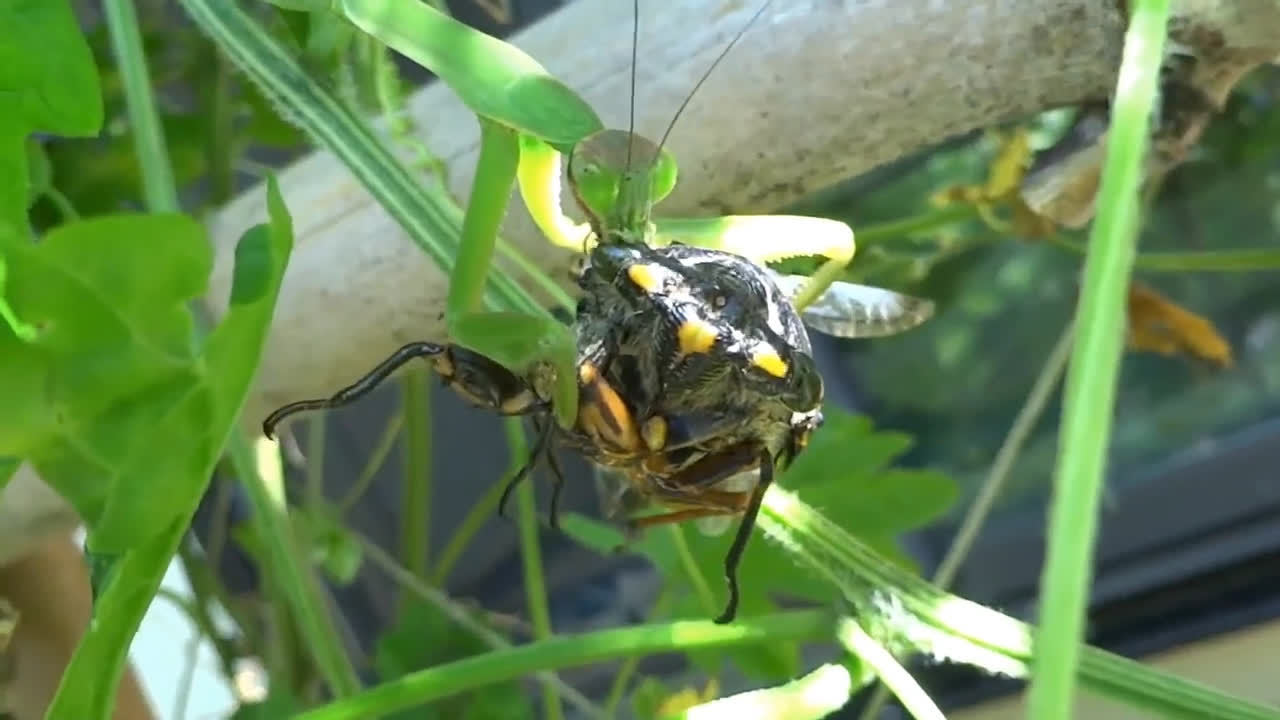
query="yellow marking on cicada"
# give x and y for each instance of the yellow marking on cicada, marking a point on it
(644, 277)
(768, 360)
(518, 404)
(696, 336)
(654, 432)
(603, 415)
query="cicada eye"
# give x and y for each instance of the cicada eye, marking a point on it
(806, 384)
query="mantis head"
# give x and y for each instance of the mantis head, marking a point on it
(617, 178)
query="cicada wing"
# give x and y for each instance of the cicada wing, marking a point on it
(849, 310)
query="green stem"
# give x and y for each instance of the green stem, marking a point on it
(221, 151)
(371, 467)
(415, 509)
(690, 565)
(496, 173)
(315, 462)
(1008, 453)
(535, 587)
(1089, 399)
(570, 651)
(428, 215)
(980, 510)
(906, 612)
(914, 224)
(463, 617)
(895, 677)
(618, 687)
(472, 523)
(158, 186)
(1239, 260)
(303, 594)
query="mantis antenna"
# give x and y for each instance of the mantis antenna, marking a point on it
(705, 75)
(635, 42)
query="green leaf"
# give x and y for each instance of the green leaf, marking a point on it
(107, 297)
(23, 331)
(8, 466)
(47, 72)
(217, 394)
(648, 697)
(39, 171)
(149, 481)
(48, 82)
(493, 78)
(88, 685)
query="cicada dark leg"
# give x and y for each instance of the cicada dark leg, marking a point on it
(541, 447)
(481, 381)
(358, 389)
(691, 486)
(748, 524)
(557, 480)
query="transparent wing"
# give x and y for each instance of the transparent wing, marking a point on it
(848, 310)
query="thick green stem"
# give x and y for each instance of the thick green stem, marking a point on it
(495, 179)
(1088, 402)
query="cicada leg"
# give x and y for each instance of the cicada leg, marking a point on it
(541, 447)
(691, 487)
(475, 377)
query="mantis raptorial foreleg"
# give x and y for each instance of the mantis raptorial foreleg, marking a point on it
(600, 183)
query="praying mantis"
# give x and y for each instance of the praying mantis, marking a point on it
(720, 382)
(526, 128)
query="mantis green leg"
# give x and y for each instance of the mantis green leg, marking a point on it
(770, 238)
(518, 341)
(540, 188)
(602, 179)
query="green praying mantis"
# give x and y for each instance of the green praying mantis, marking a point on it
(529, 121)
